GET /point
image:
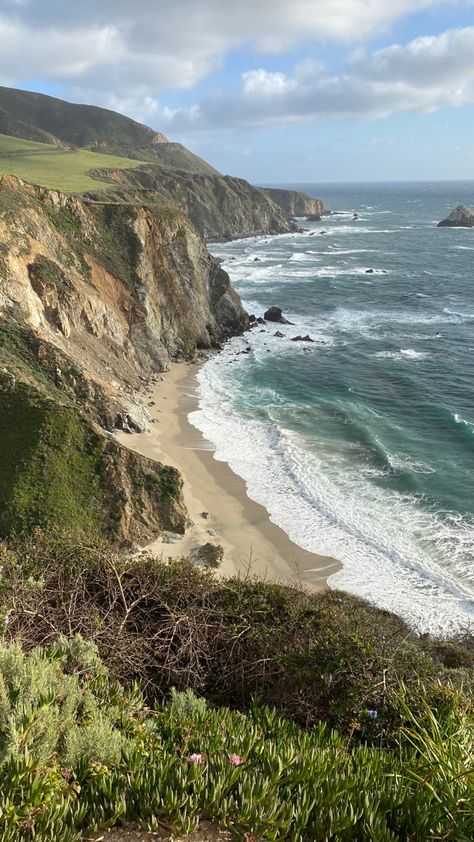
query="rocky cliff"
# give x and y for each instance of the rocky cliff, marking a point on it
(460, 217)
(95, 299)
(220, 207)
(294, 203)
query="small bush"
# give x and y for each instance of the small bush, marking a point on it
(50, 702)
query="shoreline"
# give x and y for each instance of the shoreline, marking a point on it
(252, 543)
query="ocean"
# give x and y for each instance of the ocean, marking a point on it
(361, 444)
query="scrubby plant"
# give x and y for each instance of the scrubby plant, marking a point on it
(50, 702)
(325, 657)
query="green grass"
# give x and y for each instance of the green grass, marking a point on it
(57, 169)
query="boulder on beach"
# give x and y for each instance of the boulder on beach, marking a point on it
(460, 217)
(208, 554)
(274, 314)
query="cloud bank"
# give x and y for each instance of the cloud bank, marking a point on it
(142, 47)
(125, 54)
(426, 74)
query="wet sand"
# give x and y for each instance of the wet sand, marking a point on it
(250, 540)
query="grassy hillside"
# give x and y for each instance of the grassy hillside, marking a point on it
(36, 116)
(81, 753)
(56, 168)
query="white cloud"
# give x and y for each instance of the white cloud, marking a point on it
(141, 47)
(426, 74)
(260, 82)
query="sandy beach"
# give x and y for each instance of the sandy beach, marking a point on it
(243, 527)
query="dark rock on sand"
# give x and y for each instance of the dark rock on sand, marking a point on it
(209, 554)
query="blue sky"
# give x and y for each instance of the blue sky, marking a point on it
(271, 90)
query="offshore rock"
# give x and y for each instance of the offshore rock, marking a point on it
(274, 314)
(460, 217)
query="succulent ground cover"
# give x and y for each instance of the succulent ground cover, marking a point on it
(79, 752)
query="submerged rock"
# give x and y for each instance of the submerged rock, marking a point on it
(306, 338)
(279, 334)
(460, 217)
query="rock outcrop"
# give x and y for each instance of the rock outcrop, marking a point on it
(274, 314)
(220, 207)
(118, 288)
(460, 217)
(294, 203)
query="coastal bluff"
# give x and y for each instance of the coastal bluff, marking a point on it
(460, 217)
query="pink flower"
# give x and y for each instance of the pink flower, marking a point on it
(235, 759)
(196, 758)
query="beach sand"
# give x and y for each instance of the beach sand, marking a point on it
(243, 528)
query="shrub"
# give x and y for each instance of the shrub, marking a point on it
(318, 657)
(50, 701)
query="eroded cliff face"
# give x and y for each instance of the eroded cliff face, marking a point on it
(118, 288)
(96, 298)
(220, 207)
(294, 203)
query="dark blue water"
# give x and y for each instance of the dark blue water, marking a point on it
(361, 444)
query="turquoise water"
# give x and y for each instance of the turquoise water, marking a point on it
(361, 444)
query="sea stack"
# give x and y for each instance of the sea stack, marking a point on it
(460, 217)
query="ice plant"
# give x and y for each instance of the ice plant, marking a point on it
(235, 759)
(195, 758)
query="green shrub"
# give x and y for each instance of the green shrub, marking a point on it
(316, 657)
(49, 703)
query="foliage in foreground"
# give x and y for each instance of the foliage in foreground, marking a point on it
(80, 752)
(328, 656)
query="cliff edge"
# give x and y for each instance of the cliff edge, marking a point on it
(96, 298)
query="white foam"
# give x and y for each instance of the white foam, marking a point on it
(403, 353)
(459, 420)
(392, 549)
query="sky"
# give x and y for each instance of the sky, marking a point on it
(275, 91)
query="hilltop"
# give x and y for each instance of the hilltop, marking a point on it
(86, 149)
(38, 117)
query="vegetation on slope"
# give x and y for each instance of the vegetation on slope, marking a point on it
(80, 752)
(318, 657)
(58, 470)
(58, 169)
(35, 116)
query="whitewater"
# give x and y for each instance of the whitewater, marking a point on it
(360, 444)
